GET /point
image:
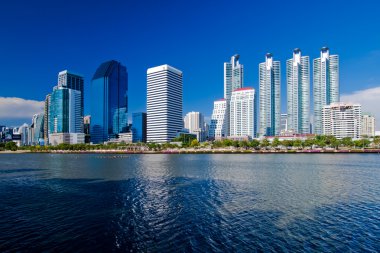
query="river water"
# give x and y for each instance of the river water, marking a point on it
(187, 203)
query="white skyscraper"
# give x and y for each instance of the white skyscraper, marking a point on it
(368, 125)
(298, 91)
(243, 113)
(164, 103)
(342, 120)
(194, 122)
(270, 107)
(233, 76)
(219, 120)
(325, 84)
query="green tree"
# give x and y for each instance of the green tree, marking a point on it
(11, 146)
(194, 143)
(254, 144)
(297, 143)
(264, 143)
(275, 143)
(347, 142)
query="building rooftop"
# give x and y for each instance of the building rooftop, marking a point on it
(104, 69)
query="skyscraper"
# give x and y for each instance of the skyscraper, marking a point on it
(38, 129)
(342, 120)
(233, 76)
(219, 120)
(65, 111)
(72, 81)
(195, 123)
(368, 125)
(164, 103)
(109, 101)
(325, 84)
(46, 120)
(270, 107)
(243, 121)
(139, 127)
(298, 89)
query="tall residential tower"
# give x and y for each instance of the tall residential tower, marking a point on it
(325, 85)
(270, 107)
(233, 76)
(164, 103)
(298, 91)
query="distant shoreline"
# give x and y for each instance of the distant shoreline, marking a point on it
(216, 151)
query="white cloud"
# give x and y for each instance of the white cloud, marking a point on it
(18, 108)
(369, 99)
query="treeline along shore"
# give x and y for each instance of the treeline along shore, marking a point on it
(319, 144)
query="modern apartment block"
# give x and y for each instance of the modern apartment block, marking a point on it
(325, 85)
(243, 121)
(194, 122)
(46, 119)
(270, 107)
(109, 102)
(164, 103)
(233, 76)
(342, 120)
(298, 93)
(219, 120)
(139, 127)
(368, 125)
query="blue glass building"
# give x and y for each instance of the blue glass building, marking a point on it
(109, 101)
(139, 127)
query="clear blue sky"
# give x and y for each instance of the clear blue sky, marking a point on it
(41, 38)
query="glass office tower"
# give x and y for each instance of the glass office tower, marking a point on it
(139, 127)
(109, 101)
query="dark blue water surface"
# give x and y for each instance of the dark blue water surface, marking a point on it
(186, 203)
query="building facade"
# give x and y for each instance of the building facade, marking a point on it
(37, 131)
(325, 85)
(164, 103)
(243, 121)
(72, 81)
(342, 120)
(194, 122)
(368, 125)
(219, 120)
(65, 112)
(270, 106)
(109, 102)
(46, 119)
(233, 76)
(298, 93)
(139, 127)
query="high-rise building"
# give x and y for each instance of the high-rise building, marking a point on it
(65, 111)
(342, 120)
(368, 125)
(325, 85)
(87, 128)
(233, 76)
(46, 120)
(270, 107)
(164, 103)
(194, 122)
(298, 91)
(24, 131)
(284, 123)
(219, 120)
(73, 81)
(109, 102)
(139, 127)
(37, 126)
(243, 121)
